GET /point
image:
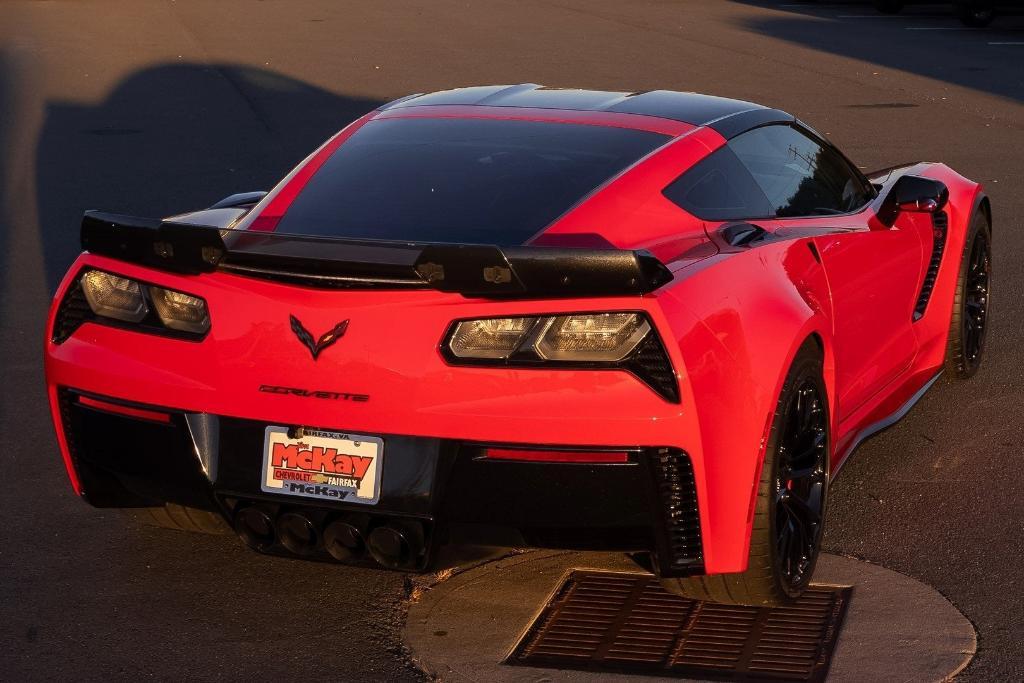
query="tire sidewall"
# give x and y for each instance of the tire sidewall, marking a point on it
(956, 347)
(807, 365)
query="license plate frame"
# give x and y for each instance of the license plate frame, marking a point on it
(324, 465)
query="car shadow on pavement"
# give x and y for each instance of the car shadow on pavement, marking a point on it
(919, 41)
(76, 579)
(174, 138)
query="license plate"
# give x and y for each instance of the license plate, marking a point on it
(331, 466)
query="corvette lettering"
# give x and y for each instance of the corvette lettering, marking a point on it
(308, 393)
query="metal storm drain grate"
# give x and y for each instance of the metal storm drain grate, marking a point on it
(626, 623)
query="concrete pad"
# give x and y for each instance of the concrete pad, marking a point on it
(463, 627)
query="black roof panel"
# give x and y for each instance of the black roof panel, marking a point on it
(687, 107)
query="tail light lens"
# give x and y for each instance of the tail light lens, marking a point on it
(489, 338)
(594, 337)
(602, 337)
(180, 311)
(617, 340)
(114, 297)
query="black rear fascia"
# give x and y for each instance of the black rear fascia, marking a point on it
(646, 505)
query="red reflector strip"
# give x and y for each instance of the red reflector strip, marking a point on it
(585, 457)
(139, 413)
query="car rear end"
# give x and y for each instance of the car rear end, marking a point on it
(359, 393)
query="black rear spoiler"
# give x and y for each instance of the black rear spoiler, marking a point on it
(469, 269)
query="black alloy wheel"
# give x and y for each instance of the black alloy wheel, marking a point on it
(974, 316)
(972, 301)
(800, 485)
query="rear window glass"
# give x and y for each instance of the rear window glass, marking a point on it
(460, 180)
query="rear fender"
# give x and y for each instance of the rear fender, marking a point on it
(737, 344)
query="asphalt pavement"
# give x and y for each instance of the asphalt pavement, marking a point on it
(155, 108)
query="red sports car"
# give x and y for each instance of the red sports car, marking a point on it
(652, 322)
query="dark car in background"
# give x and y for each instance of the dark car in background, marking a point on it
(975, 13)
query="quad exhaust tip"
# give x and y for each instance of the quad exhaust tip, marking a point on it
(255, 526)
(298, 533)
(345, 538)
(396, 545)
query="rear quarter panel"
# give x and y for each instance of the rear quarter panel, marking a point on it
(739, 319)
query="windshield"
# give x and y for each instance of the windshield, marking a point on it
(463, 180)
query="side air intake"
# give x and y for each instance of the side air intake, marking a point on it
(940, 226)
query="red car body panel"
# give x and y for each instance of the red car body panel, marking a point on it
(731, 320)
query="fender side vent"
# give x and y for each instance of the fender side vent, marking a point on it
(940, 228)
(626, 623)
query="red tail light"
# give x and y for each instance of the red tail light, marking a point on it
(579, 457)
(129, 411)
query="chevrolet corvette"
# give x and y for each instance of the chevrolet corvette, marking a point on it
(656, 323)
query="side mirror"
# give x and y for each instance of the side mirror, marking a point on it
(916, 194)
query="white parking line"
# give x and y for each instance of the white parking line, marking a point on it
(1007, 43)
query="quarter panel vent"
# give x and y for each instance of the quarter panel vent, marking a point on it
(940, 228)
(680, 551)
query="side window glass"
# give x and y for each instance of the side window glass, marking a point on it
(799, 176)
(719, 188)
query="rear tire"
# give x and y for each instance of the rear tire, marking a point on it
(181, 518)
(790, 507)
(968, 325)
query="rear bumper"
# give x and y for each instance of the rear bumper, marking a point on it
(145, 455)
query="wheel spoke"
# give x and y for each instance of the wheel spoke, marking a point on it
(810, 453)
(811, 473)
(784, 542)
(802, 510)
(806, 536)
